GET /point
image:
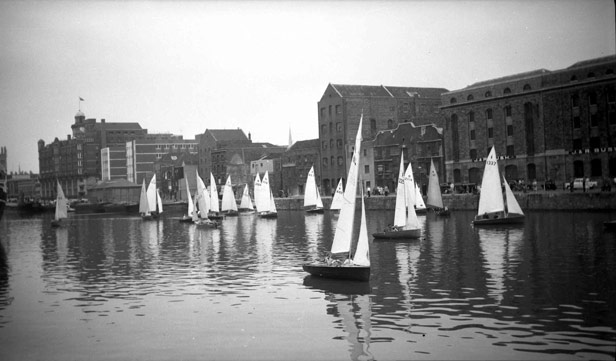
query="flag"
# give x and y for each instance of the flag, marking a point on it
(81, 99)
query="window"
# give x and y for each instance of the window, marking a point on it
(373, 125)
(575, 101)
(390, 124)
(366, 169)
(331, 144)
(510, 130)
(507, 91)
(338, 109)
(594, 119)
(576, 122)
(323, 145)
(592, 98)
(365, 152)
(508, 111)
(455, 138)
(595, 168)
(453, 101)
(591, 75)
(578, 169)
(595, 142)
(340, 161)
(526, 87)
(330, 111)
(339, 127)
(470, 97)
(510, 151)
(577, 143)
(473, 154)
(490, 132)
(339, 143)
(489, 114)
(323, 129)
(573, 78)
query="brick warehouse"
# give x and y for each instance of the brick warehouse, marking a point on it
(383, 107)
(546, 125)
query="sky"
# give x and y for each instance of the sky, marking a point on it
(183, 67)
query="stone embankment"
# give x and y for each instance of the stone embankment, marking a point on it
(540, 201)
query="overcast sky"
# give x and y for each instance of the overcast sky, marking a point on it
(262, 66)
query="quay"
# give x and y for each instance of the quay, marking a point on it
(558, 200)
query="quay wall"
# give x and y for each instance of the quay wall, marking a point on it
(540, 201)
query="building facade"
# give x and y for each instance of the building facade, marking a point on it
(296, 163)
(545, 125)
(383, 107)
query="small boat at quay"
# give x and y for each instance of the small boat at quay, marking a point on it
(492, 207)
(61, 207)
(435, 198)
(406, 224)
(312, 198)
(339, 264)
(266, 207)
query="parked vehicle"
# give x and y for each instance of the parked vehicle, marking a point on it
(578, 183)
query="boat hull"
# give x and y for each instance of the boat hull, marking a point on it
(403, 234)
(315, 210)
(230, 213)
(56, 223)
(268, 215)
(186, 220)
(353, 273)
(206, 223)
(509, 219)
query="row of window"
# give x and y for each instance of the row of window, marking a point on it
(525, 88)
(338, 110)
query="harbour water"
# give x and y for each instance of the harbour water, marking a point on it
(112, 287)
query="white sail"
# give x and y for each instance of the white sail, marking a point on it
(228, 197)
(400, 210)
(258, 194)
(214, 203)
(311, 194)
(265, 194)
(513, 207)
(491, 195)
(272, 203)
(61, 204)
(189, 201)
(362, 251)
(202, 198)
(435, 199)
(194, 216)
(344, 227)
(319, 200)
(337, 200)
(144, 208)
(246, 202)
(419, 202)
(159, 202)
(409, 187)
(151, 192)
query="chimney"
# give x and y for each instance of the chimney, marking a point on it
(249, 137)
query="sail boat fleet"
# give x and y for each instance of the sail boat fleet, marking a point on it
(340, 262)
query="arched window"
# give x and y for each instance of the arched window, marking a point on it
(526, 87)
(372, 126)
(507, 91)
(595, 167)
(573, 78)
(453, 100)
(488, 94)
(578, 169)
(511, 172)
(531, 171)
(470, 97)
(457, 176)
(590, 75)
(474, 175)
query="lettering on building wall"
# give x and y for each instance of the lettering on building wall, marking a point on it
(592, 150)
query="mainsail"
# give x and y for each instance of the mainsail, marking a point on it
(61, 204)
(435, 199)
(228, 197)
(337, 200)
(491, 196)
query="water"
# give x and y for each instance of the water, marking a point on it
(115, 288)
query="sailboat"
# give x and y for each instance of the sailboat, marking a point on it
(229, 207)
(144, 207)
(337, 200)
(435, 198)
(358, 267)
(190, 209)
(214, 203)
(492, 209)
(406, 224)
(312, 198)
(246, 203)
(267, 206)
(155, 203)
(420, 206)
(61, 208)
(202, 200)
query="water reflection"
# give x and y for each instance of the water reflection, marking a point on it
(544, 290)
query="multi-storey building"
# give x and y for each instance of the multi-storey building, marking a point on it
(545, 125)
(296, 163)
(171, 169)
(141, 154)
(383, 107)
(226, 152)
(76, 161)
(418, 145)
